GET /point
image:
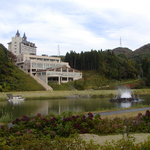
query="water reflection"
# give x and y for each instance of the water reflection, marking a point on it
(33, 107)
(125, 105)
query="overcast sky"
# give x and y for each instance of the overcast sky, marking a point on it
(79, 25)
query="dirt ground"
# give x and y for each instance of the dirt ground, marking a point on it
(139, 137)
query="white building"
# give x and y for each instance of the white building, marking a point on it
(34, 63)
(20, 45)
(48, 69)
(61, 74)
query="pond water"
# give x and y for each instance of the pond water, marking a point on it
(32, 107)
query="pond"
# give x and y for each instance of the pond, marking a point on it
(32, 107)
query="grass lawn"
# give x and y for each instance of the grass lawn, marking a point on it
(59, 94)
(65, 94)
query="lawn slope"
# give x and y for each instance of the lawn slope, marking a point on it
(12, 78)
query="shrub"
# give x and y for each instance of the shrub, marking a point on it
(31, 142)
(50, 130)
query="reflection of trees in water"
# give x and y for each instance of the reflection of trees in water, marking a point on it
(33, 107)
(26, 108)
(79, 105)
(146, 99)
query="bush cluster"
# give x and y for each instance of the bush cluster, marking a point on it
(70, 124)
(48, 128)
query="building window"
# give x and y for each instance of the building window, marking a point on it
(43, 73)
(64, 79)
(70, 70)
(64, 69)
(70, 79)
(58, 69)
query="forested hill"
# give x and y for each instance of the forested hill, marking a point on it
(110, 65)
(104, 62)
(11, 78)
(141, 52)
(123, 51)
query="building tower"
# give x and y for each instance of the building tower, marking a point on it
(20, 45)
(24, 38)
(14, 45)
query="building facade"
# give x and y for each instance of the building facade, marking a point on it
(62, 74)
(34, 63)
(20, 45)
(46, 68)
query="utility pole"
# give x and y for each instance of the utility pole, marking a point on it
(120, 42)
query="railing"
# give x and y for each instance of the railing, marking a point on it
(67, 74)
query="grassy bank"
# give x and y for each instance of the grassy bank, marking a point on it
(60, 94)
(70, 94)
(92, 80)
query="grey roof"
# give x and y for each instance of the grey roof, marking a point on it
(24, 37)
(17, 34)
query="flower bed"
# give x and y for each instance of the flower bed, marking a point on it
(50, 126)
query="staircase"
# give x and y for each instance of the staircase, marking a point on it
(46, 86)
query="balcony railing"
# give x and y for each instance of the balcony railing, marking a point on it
(64, 74)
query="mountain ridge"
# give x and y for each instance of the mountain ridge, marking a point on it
(143, 51)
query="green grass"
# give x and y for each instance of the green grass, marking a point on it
(26, 83)
(65, 94)
(59, 94)
(17, 80)
(63, 86)
(5, 118)
(93, 80)
(11, 77)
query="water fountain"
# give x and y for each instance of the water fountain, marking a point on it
(124, 94)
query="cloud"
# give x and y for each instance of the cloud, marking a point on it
(76, 24)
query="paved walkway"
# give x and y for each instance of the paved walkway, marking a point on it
(122, 111)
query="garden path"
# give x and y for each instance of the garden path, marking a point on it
(139, 137)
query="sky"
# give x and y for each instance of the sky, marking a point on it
(78, 25)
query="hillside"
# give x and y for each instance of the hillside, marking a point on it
(143, 49)
(122, 50)
(12, 78)
(142, 52)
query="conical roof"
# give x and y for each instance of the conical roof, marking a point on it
(17, 34)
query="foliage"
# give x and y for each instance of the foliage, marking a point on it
(5, 117)
(105, 63)
(49, 132)
(30, 142)
(65, 125)
(111, 66)
(63, 86)
(93, 80)
(143, 65)
(11, 78)
(125, 144)
(90, 80)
